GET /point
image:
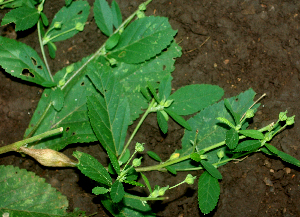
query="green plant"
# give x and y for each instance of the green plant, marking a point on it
(97, 98)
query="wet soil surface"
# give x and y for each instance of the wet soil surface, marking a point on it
(234, 44)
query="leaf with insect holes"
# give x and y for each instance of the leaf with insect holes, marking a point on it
(24, 17)
(90, 167)
(117, 192)
(103, 17)
(22, 193)
(248, 145)
(22, 61)
(143, 39)
(193, 98)
(116, 12)
(212, 131)
(77, 12)
(208, 192)
(73, 117)
(232, 138)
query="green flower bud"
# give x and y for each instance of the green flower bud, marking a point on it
(79, 26)
(140, 14)
(137, 162)
(168, 103)
(220, 154)
(190, 179)
(46, 39)
(174, 156)
(57, 25)
(61, 82)
(40, 8)
(70, 68)
(282, 116)
(139, 147)
(112, 61)
(249, 113)
(142, 7)
(290, 120)
(163, 190)
(154, 194)
(268, 136)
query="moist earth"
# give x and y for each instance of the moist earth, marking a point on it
(234, 44)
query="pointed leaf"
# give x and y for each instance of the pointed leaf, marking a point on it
(22, 61)
(288, 158)
(232, 138)
(214, 172)
(154, 156)
(248, 145)
(208, 192)
(193, 98)
(22, 193)
(180, 120)
(68, 2)
(52, 49)
(114, 161)
(99, 190)
(116, 12)
(117, 192)
(112, 41)
(272, 149)
(24, 18)
(210, 131)
(171, 170)
(142, 39)
(153, 92)
(109, 114)
(77, 12)
(90, 167)
(235, 115)
(162, 123)
(164, 89)
(147, 182)
(125, 157)
(254, 134)
(225, 121)
(44, 19)
(134, 183)
(103, 17)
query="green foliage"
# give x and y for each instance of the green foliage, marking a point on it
(154, 156)
(208, 192)
(254, 134)
(20, 195)
(103, 16)
(211, 169)
(232, 138)
(117, 192)
(248, 145)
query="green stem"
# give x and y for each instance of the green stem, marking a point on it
(149, 110)
(42, 49)
(70, 30)
(3, 3)
(15, 146)
(145, 198)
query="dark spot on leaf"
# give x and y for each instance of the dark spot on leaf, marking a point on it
(46, 95)
(82, 83)
(80, 12)
(73, 134)
(236, 99)
(34, 62)
(40, 67)
(105, 90)
(67, 129)
(27, 73)
(164, 67)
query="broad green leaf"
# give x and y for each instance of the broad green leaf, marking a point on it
(114, 161)
(22, 61)
(272, 149)
(109, 114)
(73, 117)
(254, 134)
(57, 98)
(162, 123)
(210, 130)
(103, 17)
(22, 193)
(193, 98)
(288, 158)
(171, 170)
(90, 167)
(77, 12)
(99, 190)
(134, 183)
(164, 89)
(128, 207)
(112, 41)
(208, 192)
(24, 17)
(116, 13)
(248, 145)
(117, 192)
(147, 182)
(235, 116)
(143, 39)
(214, 172)
(135, 76)
(154, 156)
(180, 120)
(232, 138)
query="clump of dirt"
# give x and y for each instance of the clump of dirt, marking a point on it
(234, 44)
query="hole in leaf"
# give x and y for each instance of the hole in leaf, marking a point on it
(82, 83)
(40, 67)
(164, 67)
(80, 12)
(73, 134)
(46, 95)
(105, 90)
(236, 99)
(34, 62)
(27, 73)
(67, 129)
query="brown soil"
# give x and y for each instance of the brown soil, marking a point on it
(249, 44)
